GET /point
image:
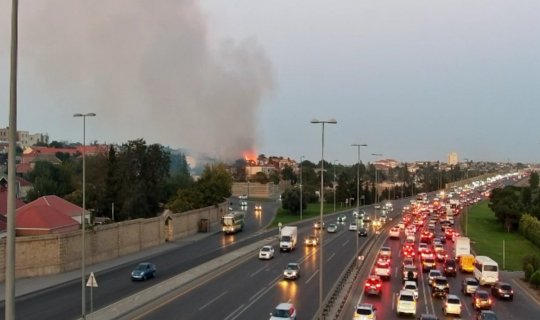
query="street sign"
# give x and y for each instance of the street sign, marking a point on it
(91, 281)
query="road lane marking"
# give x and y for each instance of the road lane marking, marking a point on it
(213, 300)
(525, 291)
(312, 276)
(258, 270)
(258, 293)
(345, 243)
(234, 312)
(333, 254)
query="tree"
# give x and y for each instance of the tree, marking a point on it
(535, 279)
(260, 177)
(288, 174)
(50, 179)
(534, 180)
(215, 184)
(290, 200)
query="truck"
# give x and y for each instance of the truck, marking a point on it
(288, 238)
(462, 246)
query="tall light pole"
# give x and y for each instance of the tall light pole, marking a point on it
(376, 183)
(301, 203)
(323, 122)
(334, 184)
(83, 214)
(358, 188)
(12, 138)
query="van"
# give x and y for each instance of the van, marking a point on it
(466, 263)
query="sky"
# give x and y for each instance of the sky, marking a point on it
(415, 80)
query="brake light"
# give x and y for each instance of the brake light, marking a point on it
(378, 285)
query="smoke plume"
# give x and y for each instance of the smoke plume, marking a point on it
(149, 69)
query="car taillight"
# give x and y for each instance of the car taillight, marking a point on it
(367, 284)
(378, 285)
(489, 301)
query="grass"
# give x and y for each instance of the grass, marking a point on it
(313, 210)
(487, 236)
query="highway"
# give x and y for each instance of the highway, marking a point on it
(64, 301)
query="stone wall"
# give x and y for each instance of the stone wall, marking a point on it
(256, 190)
(56, 253)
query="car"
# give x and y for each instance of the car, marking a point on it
(292, 271)
(410, 272)
(394, 232)
(332, 228)
(367, 219)
(433, 273)
(362, 232)
(312, 240)
(284, 310)
(450, 268)
(440, 287)
(373, 285)
(469, 285)
(481, 300)
(341, 218)
(385, 251)
(452, 305)
(143, 271)
(486, 315)
(383, 269)
(426, 316)
(428, 264)
(426, 237)
(258, 207)
(441, 255)
(266, 252)
(408, 252)
(243, 196)
(365, 311)
(422, 247)
(406, 261)
(406, 303)
(353, 226)
(502, 290)
(377, 206)
(411, 286)
(318, 225)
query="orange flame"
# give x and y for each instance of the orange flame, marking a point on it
(250, 156)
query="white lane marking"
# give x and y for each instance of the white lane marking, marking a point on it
(213, 300)
(259, 270)
(329, 258)
(394, 299)
(345, 243)
(256, 294)
(525, 290)
(312, 276)
(234, 313)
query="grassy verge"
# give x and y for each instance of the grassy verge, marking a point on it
(313, 210)
(487, 236)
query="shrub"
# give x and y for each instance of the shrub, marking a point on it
(535, 279)
(533, 260)
(529, 270)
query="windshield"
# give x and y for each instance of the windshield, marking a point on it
(490, 268)
(363, 311)
(280, 313)
(286, 238)
(140, 267)
(406, 297)
(227, 221)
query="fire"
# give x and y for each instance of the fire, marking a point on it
(250, 156)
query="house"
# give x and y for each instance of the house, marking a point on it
(63, 206)
(42, 219)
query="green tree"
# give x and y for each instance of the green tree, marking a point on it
(215, 184)
(534, 180)
(260, 177)
(528, 270)
(290, 200)
(535, 279)
(288, 174)
(50, 179)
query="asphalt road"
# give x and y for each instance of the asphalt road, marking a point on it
(64, 301)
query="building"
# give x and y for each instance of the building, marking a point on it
(24, 138)
(453, 158)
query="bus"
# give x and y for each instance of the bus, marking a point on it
(486, 271)
(233, 222)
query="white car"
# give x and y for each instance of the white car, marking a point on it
(266, 252)
(394, 233)
(452, 305)
(332, 228)
(353, 226)
(365, 311)
(292, 271)
(406, 303)
(411, 286)
(284, 311)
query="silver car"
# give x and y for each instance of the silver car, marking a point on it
(332, 228)
(469, 285)
(292, 271)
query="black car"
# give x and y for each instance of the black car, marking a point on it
(362, 232)
(440, 287)
(450, 267)
(502, 290)
(486, 315)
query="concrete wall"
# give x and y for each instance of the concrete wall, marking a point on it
(56, 253)
(256, 190)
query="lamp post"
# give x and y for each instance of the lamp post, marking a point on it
(323, 122)
(376, 182)
(301, 203)
(334, 185)
(358, 188)
(83, 214)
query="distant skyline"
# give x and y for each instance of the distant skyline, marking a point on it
(415, 80)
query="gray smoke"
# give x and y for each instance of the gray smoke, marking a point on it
(149, 69)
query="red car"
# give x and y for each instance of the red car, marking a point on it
(408, 252)
(373, 285)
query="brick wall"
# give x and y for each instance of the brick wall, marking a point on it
(56, 253)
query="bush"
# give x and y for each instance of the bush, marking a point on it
(533, 260)
(535, 279)
(529, 270)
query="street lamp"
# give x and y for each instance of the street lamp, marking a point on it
(358, 188)
(376, 182)
(334, 185)
(301, 203)
(323, 122)
(83, 214)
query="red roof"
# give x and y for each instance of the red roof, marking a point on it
(23, 168)
(3, 201)
(67, 208)
(43, 217)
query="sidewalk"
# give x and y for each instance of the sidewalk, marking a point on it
(28, 285)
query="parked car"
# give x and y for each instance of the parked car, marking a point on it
(266, 252)
(143, 271)
(502, 290)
